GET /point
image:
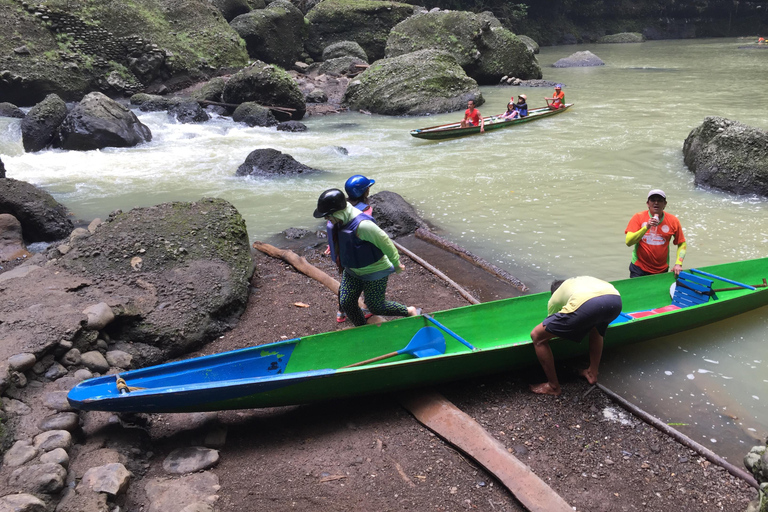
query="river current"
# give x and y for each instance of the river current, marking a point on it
(547, 199)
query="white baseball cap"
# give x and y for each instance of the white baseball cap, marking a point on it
(657, 192)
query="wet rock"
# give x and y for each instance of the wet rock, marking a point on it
(211, 90)
(19, 454)
(579, 60)
(39, 126)
(21, 502)
(38, 478)
(190, 460)
(230, 9)
(42, 218)
(119, 359)
(316, 96)
(188, 112)
(11, 242)
(275, 34)
(153, 102)
(269, 162)
(57, 456)
(95, 361)
(99, 122)
(57, 400)
(174, 494)
(111, 478)
(22, 362)
(267, 85)
(53, 439)
(341, 66)
(394, 214)
(253, 114)
(68, 421)
(291, 126)
(10, 110)
(99, 316)
(344, 49)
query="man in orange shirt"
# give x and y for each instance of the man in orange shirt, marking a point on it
(473, 117)
(650, 232)
(558, 98)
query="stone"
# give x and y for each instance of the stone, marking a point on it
(95, 223)
(22, 362)
(174, 494)
(344, 49)
(53, 439)
(316, 96)
(99, 316)
(55, 371)
(111, 478)
(530, 43)
(42, 218)
(39, 126)
(10, 110)
(269, 162)
(57, 400)
(11, 242)
(16, 407)
(188, 112)
(84, 500)
(275, 34)
(71, 358)
(95, 361)
(395, 215)
(253, 114)
(579, 60)
(83, 374)
(119, 359)
(38, 478)
(190, 460)
(267, 85)
(56, 456)
(230, 9)
(21, 502)
(291, 126)
(69, 421)
(19, 454)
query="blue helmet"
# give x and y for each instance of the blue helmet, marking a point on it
(357, 185)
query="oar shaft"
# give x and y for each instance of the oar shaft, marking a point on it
(713, 276)
(379, 358)
(453, 334)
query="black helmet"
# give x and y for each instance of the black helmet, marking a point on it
(330, 201)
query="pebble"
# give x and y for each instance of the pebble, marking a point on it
(20, 453)
(95, 362)
(57, 456)
(57, 400)
(68, 421)
(22, 362)
(22, 502)
(110, 478)
(190, 460)
(38, 478)
(55, 371)
(53, 439)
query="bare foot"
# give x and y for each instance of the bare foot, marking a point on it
(591, 378)
(545, 389)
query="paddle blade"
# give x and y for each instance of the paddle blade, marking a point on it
(428, 341)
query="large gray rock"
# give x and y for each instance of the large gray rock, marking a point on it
(181, 272)
(10, 110)
(38, 478)
(153, 102)
(253, 114)
(99, 122)
(395, 215)
(211, 90)
(366, 22)
(530, 43)
(38, 128)
(274, 35)
(230, 9)
(344, 49)
(267, 85)
(42, 218)
(418, 83)
(188, 111)
(340, 66)
(579, 60)
(190, 460)
(481, 46)
(729, 156)
(269, 162)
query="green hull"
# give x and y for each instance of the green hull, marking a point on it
(453, 130)
(499, 330)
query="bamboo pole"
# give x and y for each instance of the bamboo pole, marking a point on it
(680, 437)
(444, 244)
(235, 105)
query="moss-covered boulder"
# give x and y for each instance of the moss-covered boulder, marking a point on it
(366, 22)
(267, 85)
(729, 156)
(344, 49)
(418, 83)
(481, 46)
(211, 90)
(253, 114)
(42, 218)
(530, 43)
(38, 128)
(623, 37)
(274, 35)
(231, 9)
(182, 270)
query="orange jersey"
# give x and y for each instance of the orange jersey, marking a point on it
(473, 116)
(651, 253)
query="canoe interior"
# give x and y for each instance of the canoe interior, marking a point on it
(307, 369)
(451, 130)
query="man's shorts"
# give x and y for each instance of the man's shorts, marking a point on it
(596, 312)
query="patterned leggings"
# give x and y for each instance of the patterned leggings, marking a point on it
(350, 290)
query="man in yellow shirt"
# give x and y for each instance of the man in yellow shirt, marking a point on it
(579, 306)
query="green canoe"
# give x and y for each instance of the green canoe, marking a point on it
(452, 130)
(310, 368)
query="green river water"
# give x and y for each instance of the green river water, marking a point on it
(546, 199)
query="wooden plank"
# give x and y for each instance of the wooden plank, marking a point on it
(442, 417)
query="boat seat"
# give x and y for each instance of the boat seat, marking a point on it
(691, 290)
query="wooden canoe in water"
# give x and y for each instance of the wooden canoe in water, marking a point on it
(310, 369)
(452, 130)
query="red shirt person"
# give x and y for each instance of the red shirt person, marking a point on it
(473, 117)
(650, 232)
(558, 98)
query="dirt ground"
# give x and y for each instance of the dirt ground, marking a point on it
(369, 454)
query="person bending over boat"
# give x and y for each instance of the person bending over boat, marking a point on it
(473, 117)
(650, 232)
(366, 255)
(578, 307)
(522, 106)
(558, 98)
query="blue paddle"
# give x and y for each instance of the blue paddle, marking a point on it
(428, 341)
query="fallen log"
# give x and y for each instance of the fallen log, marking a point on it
(444, 244)
(235, 105)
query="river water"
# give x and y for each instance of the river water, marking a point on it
(547, 199)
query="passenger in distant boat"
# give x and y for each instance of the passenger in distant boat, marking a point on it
(521, 106)
(511, 112)
(473, 117)
(365, 255)
(650, 232)
(578, 307)
(558, 98)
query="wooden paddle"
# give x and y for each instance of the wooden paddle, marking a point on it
(764, 285)
(428, 341)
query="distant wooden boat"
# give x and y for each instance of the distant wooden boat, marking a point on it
(479, 339)
(452, 130)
